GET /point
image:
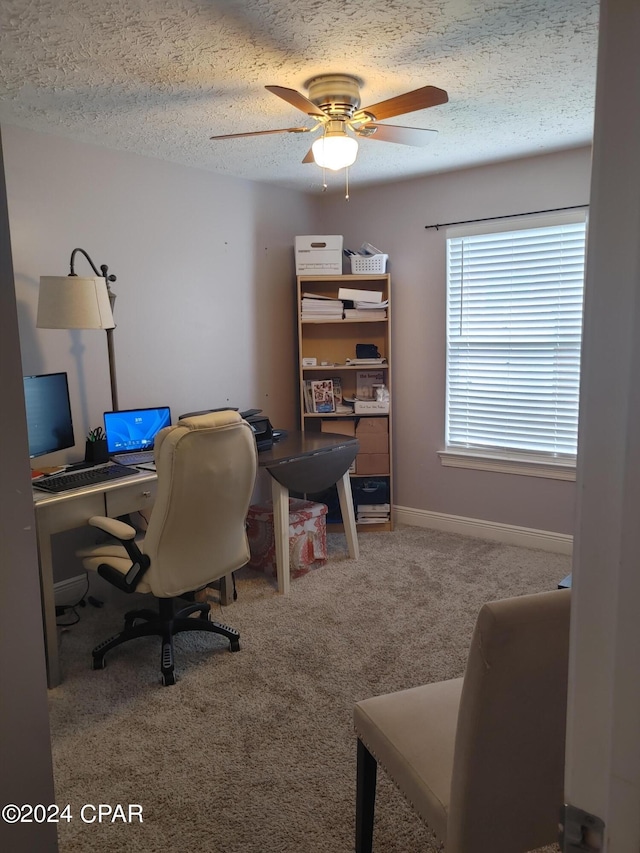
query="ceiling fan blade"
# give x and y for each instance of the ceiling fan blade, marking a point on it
(394, 133)
(419, 99)
(309, 158)
(263, 132)
(291, 96)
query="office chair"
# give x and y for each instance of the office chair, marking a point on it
(480, 758)
(206, 470)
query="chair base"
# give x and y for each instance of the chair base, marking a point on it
(165, 623)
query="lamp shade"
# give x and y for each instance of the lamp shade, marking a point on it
(71, 302)
(335, 150)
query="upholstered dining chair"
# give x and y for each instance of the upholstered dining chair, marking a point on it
(206, 468)
(480, 758)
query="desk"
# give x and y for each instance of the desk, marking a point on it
(66, 511)
(308, 462)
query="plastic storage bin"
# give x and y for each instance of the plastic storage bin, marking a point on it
(369, 264)
(307, 537)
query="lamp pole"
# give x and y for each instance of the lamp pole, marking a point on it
(104, 272)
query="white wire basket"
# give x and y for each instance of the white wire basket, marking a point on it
(372, 264)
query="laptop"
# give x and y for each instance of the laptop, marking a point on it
(131, 433)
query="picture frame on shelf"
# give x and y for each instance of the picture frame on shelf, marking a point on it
(322, 396)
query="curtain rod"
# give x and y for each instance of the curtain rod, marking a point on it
(508, 216)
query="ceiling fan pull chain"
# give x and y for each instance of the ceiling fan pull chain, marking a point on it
(324, 179)
(346, 183)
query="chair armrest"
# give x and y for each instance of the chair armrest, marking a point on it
(125, 534)
(117, 529)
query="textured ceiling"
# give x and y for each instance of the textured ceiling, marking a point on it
(159, 77)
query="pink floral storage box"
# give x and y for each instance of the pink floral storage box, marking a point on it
(307, 537)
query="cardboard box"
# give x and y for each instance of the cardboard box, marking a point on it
(372, 425)
(372, 463)
(371, 407)
(374, 442)
(340, 427)
(318, 255)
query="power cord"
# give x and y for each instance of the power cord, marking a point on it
(64, 609)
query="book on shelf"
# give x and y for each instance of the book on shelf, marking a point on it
(366, 361)
(342, 407)
(308, 403)
(322, 397)
(366, 380)
(337, 390)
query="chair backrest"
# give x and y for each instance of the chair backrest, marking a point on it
(508, 770)
(206, 473)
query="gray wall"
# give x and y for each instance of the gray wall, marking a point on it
(205, 286)
(393, 218)
(205, 312)
(25, 750)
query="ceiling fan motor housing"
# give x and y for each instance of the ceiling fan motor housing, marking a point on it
(335, 94)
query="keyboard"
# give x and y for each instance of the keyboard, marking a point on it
(88, 477)
(134, 458)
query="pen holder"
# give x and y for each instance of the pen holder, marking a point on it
(96, 452)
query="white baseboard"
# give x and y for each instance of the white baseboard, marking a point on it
(70, 590)
(509, 534)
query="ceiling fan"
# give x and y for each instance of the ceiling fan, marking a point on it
(334, 103)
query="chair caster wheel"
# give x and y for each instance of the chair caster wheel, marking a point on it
(234, 645)
(168, 678)
(99, 663)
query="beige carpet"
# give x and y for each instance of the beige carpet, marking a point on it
(254, 752)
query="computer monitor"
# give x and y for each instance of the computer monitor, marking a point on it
(49, 424)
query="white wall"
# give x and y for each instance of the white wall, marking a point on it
(393, 217)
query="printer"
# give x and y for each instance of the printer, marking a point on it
(259, 423)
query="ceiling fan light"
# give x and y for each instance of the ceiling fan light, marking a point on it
(335, 151)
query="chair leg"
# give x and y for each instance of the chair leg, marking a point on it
(365, 798)
(144, 629)
(203, 609)
(181, 624)
(167, 667)
(131, 616)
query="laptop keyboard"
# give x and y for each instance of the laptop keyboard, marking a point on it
(88, 477)
(133, 458)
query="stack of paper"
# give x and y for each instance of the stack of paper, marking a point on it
(373, 513)
(319, 308)
(364, 304)
(367, 310)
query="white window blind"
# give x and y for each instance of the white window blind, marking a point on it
(514, 327)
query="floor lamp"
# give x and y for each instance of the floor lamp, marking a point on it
(72, 302)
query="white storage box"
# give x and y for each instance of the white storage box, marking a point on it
(369, 264)
(318, 255)
(371, 407)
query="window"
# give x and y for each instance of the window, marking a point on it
(514, 324)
